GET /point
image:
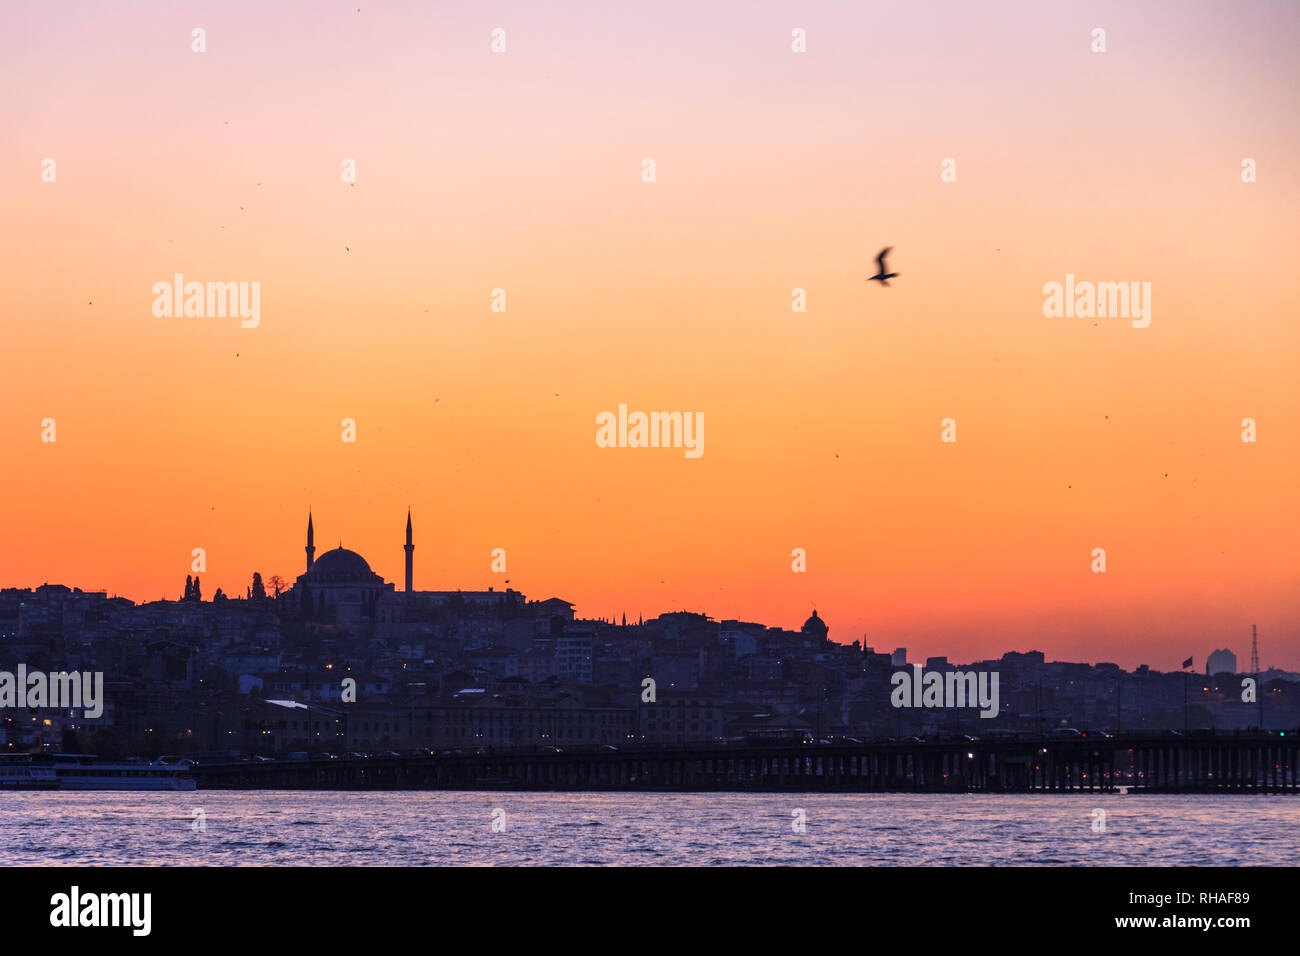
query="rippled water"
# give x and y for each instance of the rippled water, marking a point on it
(429, 828)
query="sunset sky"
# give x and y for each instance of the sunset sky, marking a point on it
(775, 170)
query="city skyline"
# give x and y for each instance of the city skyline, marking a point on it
(914, 656)
(293, 583)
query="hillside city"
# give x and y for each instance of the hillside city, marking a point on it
(263, 674)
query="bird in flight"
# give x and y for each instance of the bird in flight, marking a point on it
(882, 276)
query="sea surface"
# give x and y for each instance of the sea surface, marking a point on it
(299, 828)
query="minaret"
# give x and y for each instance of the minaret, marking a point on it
(311, 545)
(410, 554)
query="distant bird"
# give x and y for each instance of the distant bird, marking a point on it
(882, 276)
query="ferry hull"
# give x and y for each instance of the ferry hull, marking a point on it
(125, 783)
(84, 774)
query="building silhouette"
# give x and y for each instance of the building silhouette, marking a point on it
(340, 588)
(1221, 662)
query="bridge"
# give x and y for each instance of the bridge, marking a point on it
(1164, 763)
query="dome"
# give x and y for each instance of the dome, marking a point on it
(340, 565)
(815, 626)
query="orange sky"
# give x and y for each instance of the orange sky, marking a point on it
(775, 170)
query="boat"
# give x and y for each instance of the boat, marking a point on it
(86, 772)
(27, 778)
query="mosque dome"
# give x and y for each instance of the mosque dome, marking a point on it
(815, 626)
(341, 566)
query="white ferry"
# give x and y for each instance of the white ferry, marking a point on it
(84, 772)
(15, 776)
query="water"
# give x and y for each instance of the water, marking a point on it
(425, 828)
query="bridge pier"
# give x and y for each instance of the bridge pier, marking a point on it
(1159, 764)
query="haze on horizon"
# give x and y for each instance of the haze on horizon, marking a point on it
(775, 171)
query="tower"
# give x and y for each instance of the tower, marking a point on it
(410, 554)
(311, 542)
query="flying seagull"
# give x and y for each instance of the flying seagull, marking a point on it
(881, 275)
